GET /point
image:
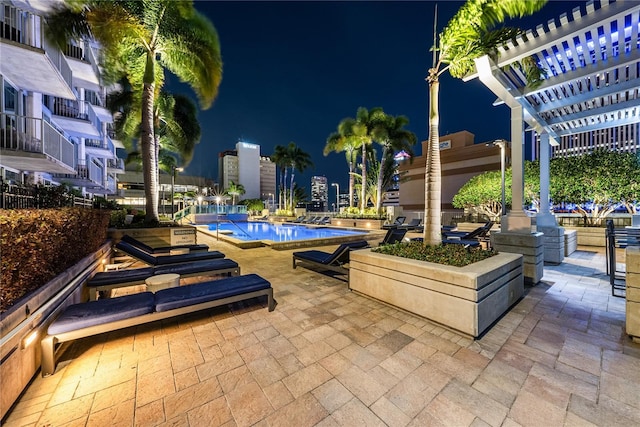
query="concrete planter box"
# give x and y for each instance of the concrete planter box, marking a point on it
(369, 224)
(30, 317)
(632, 281)
(590, 236)
(468, 299)
(158, 236)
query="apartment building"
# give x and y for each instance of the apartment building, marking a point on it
(319, 193)
(246, 166)
(54, 127)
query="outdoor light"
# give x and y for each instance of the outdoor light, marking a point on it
(173, 183)
(335, 184)
(503, 149)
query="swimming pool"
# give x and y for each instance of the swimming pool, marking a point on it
(266, 231)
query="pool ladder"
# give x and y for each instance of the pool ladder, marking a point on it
(235, 225)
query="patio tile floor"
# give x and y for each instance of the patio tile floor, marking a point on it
(330, 357)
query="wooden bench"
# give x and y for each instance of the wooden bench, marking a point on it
(106, 315)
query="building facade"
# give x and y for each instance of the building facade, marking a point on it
(461, 159)
(319, 193)
(54, 127)
(245, 166)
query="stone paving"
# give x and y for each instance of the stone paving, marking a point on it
(330, 357)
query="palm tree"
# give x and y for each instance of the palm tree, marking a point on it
(338, 142)
(470, 34)
(389, 132)
(280, 157)
(235, 190)
(141, 40)
(299, 160)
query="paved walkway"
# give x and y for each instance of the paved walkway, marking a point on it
(330, 357)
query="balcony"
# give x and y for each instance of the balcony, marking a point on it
(88, 175)
(27, 60)
(115, 165)
(77, 118)
(31, 144)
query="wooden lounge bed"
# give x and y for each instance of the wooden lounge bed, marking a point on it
(108, 280)
(97, 317)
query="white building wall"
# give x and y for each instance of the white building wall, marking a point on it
(249, 169)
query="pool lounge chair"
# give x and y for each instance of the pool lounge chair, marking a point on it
(413, 225)
(301, 218)
(479, 233)
(324, 220)
(163, 249)
(310, 220)
(329, 261)
(394, 235)
(398, 222)
(150, 259)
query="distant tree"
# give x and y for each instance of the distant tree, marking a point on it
(389, 132)
(597, 183)
(341, 141)
(254, 206)
(300, 160)
(289, 158)
(483, 194)
(235, 190)
(469, 35)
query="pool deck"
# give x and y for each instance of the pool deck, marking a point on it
(330, 357)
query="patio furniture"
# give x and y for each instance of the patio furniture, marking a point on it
(618, 238)
(163, 249)
(97, 317)
(396, 223)
(480, 234)
(329, 261)
(150, 259)
(394, 235)
(412, 225)
(107, 280)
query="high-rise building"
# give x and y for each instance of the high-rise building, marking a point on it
(54, 126)
(245, 166)
(319, 193)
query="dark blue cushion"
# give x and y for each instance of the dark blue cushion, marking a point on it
(136, 252)
(84, 315)
(313, 255)
(191, 256)
(163, 249)
(168, 299)
(196, 266)
(120, 276)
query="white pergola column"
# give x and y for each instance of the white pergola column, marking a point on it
(545, 217)
(516, 221)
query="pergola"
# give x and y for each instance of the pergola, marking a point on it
(593, 83)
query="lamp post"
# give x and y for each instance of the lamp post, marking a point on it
(217, 217)
(503, 150)
(173, 183)
(335, 184)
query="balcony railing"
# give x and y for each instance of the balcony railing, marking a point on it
(33, 135)
(19, 26)
(115, 164)
(81, 110)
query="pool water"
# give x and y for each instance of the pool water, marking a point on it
(249, 231)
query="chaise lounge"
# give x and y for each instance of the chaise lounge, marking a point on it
(97, 317)
(398, 222)
(394, 235)
(329, 261)
(162, 249)
(107, 280)
(150, 259)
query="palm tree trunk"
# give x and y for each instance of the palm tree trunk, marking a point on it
(284, 191)
(363, 203)
(433, 177)
(293, 173)
(379, 189)
(351, 182)
(147, 142)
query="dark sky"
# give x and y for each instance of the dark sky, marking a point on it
(293, 70)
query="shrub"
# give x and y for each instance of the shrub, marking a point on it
(37, 245)
(455, 255)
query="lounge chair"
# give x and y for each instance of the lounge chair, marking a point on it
(107, 280)
(310, 220)
(414, 224)
(398, 222)
(163, 249)
(394, 235)
(301, 218)
(148, 258)
(479, 233)
(324, 220)
(329, 261)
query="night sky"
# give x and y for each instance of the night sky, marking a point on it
(293, 70)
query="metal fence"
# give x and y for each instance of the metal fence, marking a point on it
(39, 197)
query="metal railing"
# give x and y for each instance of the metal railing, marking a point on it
(34, 135)
(15, 196)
